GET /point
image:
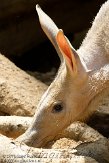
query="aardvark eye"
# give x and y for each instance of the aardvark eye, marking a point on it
(58, 107)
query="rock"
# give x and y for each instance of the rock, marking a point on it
(19, 92)
(15, 151)
(14, 126)
(79, 131)
(99, 150)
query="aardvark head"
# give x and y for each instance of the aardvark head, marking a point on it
(66, 98)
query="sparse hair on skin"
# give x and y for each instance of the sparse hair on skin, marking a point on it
(81, 83)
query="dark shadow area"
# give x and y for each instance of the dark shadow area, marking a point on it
(100, 122)
(42, 58)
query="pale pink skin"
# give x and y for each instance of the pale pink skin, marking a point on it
(80, 87)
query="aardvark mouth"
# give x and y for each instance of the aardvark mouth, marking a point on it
(36, 141)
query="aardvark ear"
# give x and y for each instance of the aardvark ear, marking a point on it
(69, 54)
(62, 45)
(49, 28)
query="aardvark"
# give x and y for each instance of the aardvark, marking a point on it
(80, 84)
